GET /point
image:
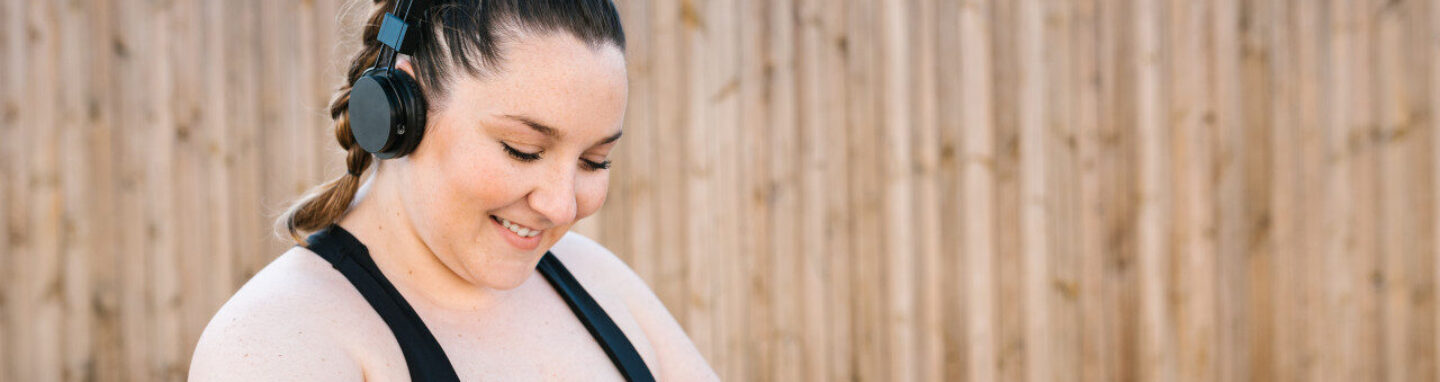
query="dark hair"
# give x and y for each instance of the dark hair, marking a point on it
(466, 35)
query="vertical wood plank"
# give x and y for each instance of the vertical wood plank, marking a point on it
(1191, 117)
(76, 179)
(826, 218)
(1035, 203)
(40, 286)
(699, 178)
(1252, 273)
(1345, 302)
(896, 123)
(671, 27)
(1420, 351)
(710, 186)
(977, 161)
(11, 192)
(949, 94)
(1100, 348)
(105, 361)
(1430, 50)
(1393, 182)
(1062, 56)
(1007, 230)
(1295, 140)
(781, 192)
(1157, 356)
(171, 142)
(753, 187)
(863, 67)
(930, 266)
(132, 97)
(635, 174)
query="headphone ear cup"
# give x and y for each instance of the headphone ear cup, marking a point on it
(413, 103)
(387, 113)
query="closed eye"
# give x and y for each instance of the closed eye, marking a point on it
(521, 155)
(588, 165)
(591, 165)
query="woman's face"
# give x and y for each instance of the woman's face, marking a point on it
(524, 149)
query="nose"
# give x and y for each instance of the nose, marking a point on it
(554, 196)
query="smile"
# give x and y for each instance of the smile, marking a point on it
(522, 237)
(518, 229)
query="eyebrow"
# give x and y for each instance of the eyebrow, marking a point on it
(537, 126)
(552, 132)
(611, 138)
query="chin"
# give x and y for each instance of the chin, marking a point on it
(504, 279)
(504, 272)
(508, 282)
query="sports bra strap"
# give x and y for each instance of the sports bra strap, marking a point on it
(424, 357)
(616, 345)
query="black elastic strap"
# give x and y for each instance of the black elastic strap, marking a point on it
(616, 345)
(423, 355)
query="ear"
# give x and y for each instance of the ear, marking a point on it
(402, 62)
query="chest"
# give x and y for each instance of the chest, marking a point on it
(534, 336)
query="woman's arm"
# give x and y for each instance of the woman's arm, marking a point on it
(273, 330)
(257, 351)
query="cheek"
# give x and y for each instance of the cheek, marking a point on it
(590, 192)
(473, 180)
(481, 181)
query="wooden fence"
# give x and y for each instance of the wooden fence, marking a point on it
(1038, 190)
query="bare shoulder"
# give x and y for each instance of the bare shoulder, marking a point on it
(600, 270)
(595, 266)
(281, 326)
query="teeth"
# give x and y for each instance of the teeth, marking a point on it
(518, 229)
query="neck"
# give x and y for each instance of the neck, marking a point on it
(379, 220)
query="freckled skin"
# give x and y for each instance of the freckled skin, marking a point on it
(460, 175)
(426, 219)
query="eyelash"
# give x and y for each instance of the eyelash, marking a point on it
(531, 157)
(595, 166)
(520, 155)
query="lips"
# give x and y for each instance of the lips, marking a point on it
(518, 229)
(519, 236)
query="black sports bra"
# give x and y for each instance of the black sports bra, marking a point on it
(423, 355)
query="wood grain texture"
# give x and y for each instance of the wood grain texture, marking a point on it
(959, 190)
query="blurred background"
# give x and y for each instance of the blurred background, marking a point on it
(960, 190)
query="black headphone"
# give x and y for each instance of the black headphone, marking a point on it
(387, 110)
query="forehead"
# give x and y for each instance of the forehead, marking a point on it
(553, 78)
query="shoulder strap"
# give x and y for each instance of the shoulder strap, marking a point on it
(423, 355)
(616, 345)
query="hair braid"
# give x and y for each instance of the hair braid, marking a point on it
(324, 205)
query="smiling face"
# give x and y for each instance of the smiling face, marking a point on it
(510, 161)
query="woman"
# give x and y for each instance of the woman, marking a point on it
(427, 268)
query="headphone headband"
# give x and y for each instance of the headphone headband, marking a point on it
(387, 109)
(394, 30)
